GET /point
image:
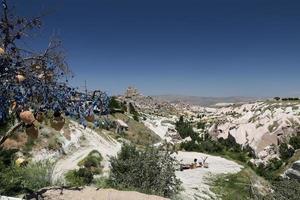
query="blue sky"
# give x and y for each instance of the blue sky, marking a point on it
(189, 47)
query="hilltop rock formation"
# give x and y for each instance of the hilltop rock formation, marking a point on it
(146, 104)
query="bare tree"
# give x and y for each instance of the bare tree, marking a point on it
(37, 80)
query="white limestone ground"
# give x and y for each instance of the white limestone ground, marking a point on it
(158, 126)
(195, 181)
(76, 150)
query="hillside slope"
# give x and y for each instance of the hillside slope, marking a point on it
(92, 140)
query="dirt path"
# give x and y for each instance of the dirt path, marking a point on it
(91, 193)
(91, 140)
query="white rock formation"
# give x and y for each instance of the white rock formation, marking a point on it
(294, 171)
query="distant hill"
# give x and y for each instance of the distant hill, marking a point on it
(204, 101)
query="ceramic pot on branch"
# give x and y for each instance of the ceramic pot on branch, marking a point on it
(90, 117)
(58, 121)
(20, 78)
(39, 116)
(32, 131)
(1, 51)
(27, 117)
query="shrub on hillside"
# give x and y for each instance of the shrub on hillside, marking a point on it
(290, 99)
(132, 109)
(93, 159)
(200, 125)
(6, 157)
(295, 142)
(286, 189)
(277, 98)
(285, 151)
(15, 180)
(115, 106)
(149, 171)
(207, 146)
(185, 129)
(136, 117)
(230, 143)
(80, 177)
(227, 147)
(268, 170)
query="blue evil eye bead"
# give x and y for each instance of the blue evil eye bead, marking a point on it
(3, 116)
(67, 113)
(96, 124)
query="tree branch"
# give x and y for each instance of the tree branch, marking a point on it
(10, 132)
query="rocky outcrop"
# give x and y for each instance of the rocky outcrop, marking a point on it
(258, 124)
(294, 171)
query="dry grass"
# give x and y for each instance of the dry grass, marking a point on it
(16, 142)
(138, 133)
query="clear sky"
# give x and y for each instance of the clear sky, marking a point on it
(189, 47)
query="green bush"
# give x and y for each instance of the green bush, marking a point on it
(92, 160)
(81, 177)
(101, 182)
(201, 125)
(207, 146)
(149, 171)
(268, 170)
(115, 106)
(54, 143)
(286, 189)
(132, 109)
(230, 143)
(295, 142)
(90, 166)
(285, 152)
(16, 180)
(185, 129)
(227, 147)
(136, 117)
(6, 157)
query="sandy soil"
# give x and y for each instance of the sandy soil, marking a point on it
(91, 193)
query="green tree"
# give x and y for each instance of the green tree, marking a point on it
(295, 142)
(185, 129)
(114, 104)
(200, 125)
(285, 151)
(277, 98)
(149, 171)
(80, 177)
